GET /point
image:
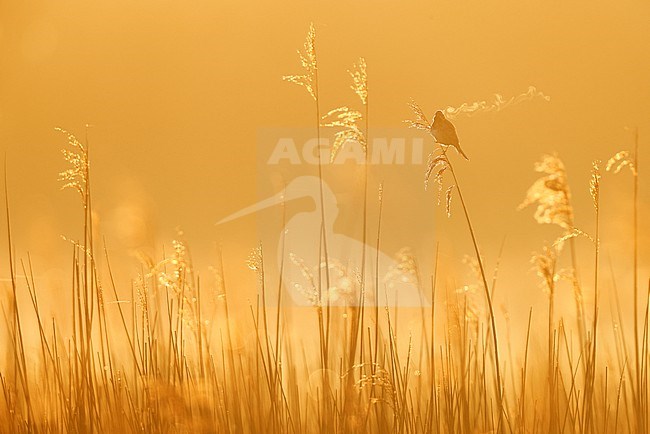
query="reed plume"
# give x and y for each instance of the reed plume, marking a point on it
(552, 196)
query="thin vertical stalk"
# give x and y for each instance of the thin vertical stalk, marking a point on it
(487, 296)
(635, 277)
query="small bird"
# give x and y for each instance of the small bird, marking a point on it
(445, 133)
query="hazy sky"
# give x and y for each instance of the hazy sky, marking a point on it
(178, 91)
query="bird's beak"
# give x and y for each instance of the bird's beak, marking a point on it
(263, 204)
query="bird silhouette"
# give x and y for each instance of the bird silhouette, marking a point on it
(301, 239)
(445, 133)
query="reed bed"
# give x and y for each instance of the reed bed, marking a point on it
(170, 358)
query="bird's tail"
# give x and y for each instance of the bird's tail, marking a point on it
(460, 151)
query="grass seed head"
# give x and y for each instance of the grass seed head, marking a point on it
(619, 161)
(346, 121)
(594, 184)
(360, 80)
(309, 64)
(75, 177)
(551, 194)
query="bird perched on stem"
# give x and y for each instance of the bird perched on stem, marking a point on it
(445, 133)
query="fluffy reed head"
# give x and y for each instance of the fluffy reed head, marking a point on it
(544, 263)
(421, 122)
(346, 121)
(255, 261)
(309, 64)
(594, 184)
(551, 194)
(619, 161)
(360, 80)
(76, 176)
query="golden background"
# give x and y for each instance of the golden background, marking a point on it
(172, 97)
(176, 93)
